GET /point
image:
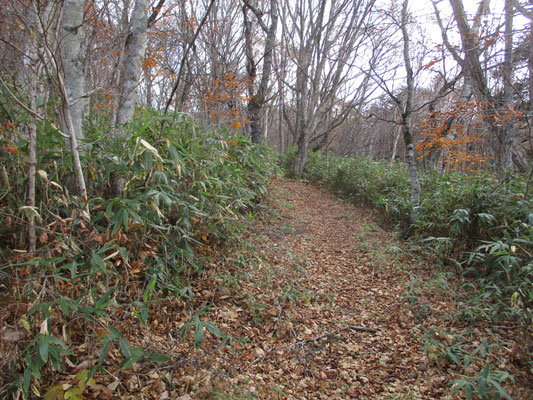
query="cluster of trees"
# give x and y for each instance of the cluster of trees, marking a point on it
(352, 76)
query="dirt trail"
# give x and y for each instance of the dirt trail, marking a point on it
(342, 327)
(323, 304)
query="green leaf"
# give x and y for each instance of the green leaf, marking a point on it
(103, 353)
(25, 323)
(73, 394)
(125, 347)
(97, 262)
(35, 367)
(64, 306)
(144, 314)
(109, 210)
(56, 340)
(84, 379)
(115, 333)
(215, 330)
(486, 371)
(101, 301)
(501, 390)
(27, 380)
(150, 289)
(137, 354)
(159, 358)
(468, 392)
(43, 347)
(198, 335)
(127, 363)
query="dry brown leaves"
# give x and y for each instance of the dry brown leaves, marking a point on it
(319, 304)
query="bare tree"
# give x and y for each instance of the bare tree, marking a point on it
(406, 112)
(501, 129)
(324, 38)
(404, 100)
(258, 97)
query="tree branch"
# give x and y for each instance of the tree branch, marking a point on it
(155, 12)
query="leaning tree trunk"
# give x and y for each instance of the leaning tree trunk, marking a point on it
(73, 141)
(135, 50)
(71, 35)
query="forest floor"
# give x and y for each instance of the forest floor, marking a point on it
(326, 304)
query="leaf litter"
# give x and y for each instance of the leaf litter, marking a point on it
(313, 305)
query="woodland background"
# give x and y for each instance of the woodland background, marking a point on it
(137, 135)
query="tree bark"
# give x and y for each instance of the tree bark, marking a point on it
(406, 121)
(508, 128)
(323, 39)
(119, 66)
(70, 45)
(395, 145)
(135, 51)
(33, 71)
(258, 99)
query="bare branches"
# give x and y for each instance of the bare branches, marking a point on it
(186, 53)
(258, 14)
(152, 19)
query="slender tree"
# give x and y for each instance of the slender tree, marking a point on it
(323, 37)
(258, 97)
(70, 40)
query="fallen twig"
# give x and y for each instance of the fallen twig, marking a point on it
(363, 329)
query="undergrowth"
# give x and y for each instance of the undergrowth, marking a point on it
(159, 201)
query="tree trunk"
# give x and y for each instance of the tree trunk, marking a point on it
(501, 135)
(395, 145)
(70, 45)
(70, 129)
(149, 86)
(413, 173)
(509, 124)
(256, 103)
(33, 71)
(301, 123)
(135, 50)
(301, 155)
(406, 122)
(117, 75)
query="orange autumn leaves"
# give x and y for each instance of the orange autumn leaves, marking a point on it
(227, 91)
(452, 132)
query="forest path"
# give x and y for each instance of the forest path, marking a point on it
(330, 314)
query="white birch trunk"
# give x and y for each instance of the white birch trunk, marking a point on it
(70, 131)
(71, 35)
(135, 51)
(395, 145)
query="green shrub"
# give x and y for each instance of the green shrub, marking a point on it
(181, 189)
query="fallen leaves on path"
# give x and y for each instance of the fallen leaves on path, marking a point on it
(317, 300)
